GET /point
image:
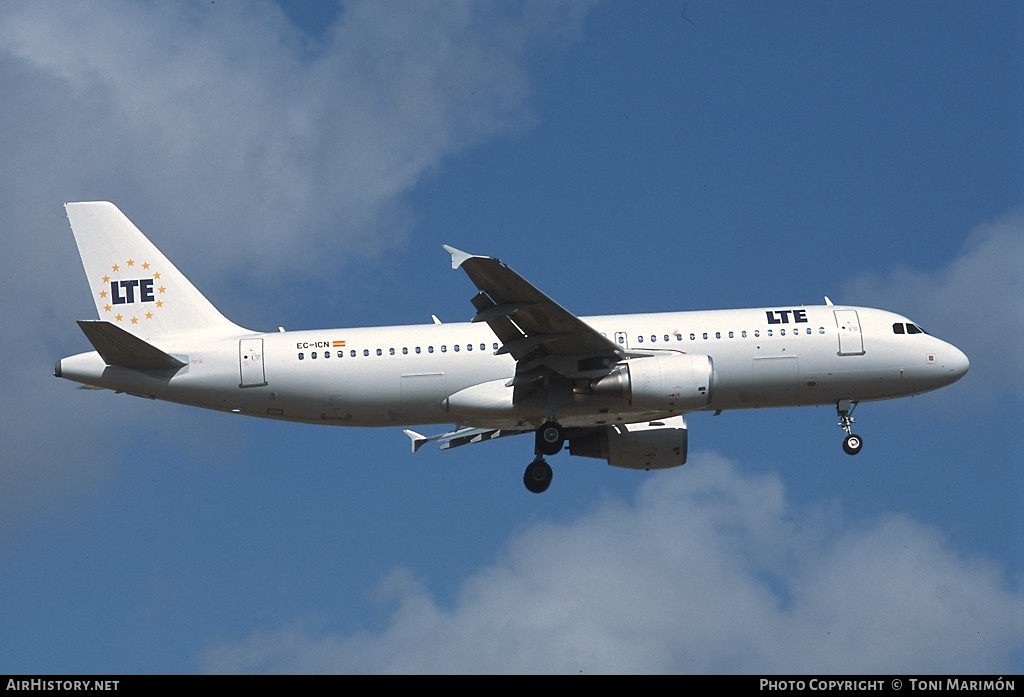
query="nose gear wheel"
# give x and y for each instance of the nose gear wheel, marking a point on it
(852, 443)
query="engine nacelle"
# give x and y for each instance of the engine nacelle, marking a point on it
(645, 446)
(665, 382)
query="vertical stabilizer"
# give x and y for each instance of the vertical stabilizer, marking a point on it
(134, 285)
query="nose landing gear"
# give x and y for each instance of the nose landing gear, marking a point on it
(852, 443)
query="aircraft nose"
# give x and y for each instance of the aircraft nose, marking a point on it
(958, 362)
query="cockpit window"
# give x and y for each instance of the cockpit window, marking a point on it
(907, 328)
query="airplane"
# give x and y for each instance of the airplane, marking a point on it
(615, 387)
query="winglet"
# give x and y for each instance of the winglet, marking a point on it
(458, 256)
(417, 439)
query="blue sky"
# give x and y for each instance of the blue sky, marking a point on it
(304, 165)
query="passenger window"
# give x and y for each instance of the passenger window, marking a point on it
(654, 339)
(808, 330)
(718, 335)
(366, 352)
(341, 354)
(391, 351)
(352, 353)
(405, 350)
(327, 354)
(782, 332)
(731, 335)
(757, 333)
(821, 330)
(456, 347)
(430, 349)
(483, 347)
(417, 349)
(769, 332)
(444, 348)
(693, 337)
(379, 352)
(302, 356)
(743, 334)
(666, 337)
(705, 335)
(469, 347)
(639, 340)
(897, 328)
(495, 345)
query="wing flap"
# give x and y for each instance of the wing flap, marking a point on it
(458, 437)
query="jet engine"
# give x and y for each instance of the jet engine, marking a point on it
(645, 446)
(665, 382)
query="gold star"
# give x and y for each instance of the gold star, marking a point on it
(162, 289)
(156, 275)
(145, 264)
(106, 308)
(149, 315)
(159, 303)
(106, 279)
(115, 267)
(118, 317)
(103, 293)
(130, 262)
(135, 320)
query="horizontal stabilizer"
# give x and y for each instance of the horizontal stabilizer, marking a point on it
(119, 348)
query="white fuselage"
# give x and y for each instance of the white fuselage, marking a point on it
(449, 373)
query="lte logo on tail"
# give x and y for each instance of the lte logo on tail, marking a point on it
(122, 292)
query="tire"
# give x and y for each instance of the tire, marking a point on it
(852, 444)
(550, 438)
(537, 477)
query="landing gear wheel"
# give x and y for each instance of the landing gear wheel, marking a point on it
(844, 410)
(537, 477)
(550, 438)
(852, 444)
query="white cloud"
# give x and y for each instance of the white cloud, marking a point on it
(709, 570)
(975, 302)
(216, 118)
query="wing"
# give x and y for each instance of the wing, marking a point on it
(460, 436)
(551, 345)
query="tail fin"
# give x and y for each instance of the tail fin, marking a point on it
(134, 285)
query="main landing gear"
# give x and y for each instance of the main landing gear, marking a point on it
(852, 443)
(550, 439)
